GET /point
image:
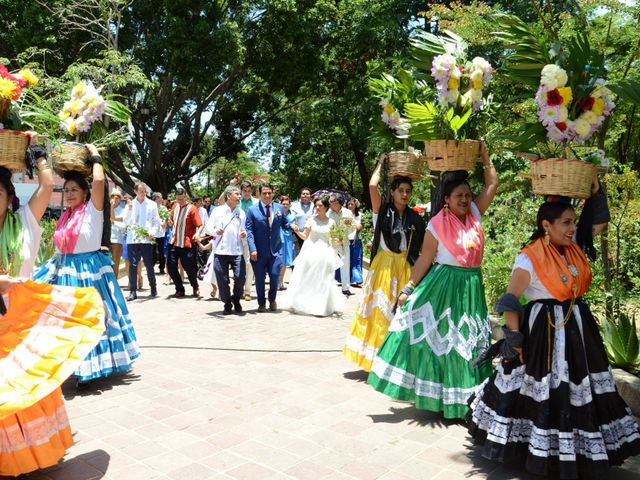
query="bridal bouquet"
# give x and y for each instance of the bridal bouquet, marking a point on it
(338, 233)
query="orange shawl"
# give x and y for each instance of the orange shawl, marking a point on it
(554, 272)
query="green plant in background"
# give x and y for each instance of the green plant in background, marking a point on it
(47, 248)
(621, 342)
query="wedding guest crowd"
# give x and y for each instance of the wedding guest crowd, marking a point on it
(421, 327)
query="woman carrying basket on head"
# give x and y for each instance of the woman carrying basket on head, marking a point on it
(80, 262)
(45, 331)
(398, 234)
(552, 401)
(442, 323)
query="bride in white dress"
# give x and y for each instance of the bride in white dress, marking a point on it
(312, 289)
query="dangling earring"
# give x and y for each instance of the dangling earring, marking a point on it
(546, 238)
(446, 208)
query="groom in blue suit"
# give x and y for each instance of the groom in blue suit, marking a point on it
(264, 223)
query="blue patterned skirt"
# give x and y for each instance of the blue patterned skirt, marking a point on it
(118, 347)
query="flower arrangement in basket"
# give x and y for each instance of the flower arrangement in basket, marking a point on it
(444, 124)
(572, 101)
(435, 103)
(391, 128)
(13, 143)
(82, 120)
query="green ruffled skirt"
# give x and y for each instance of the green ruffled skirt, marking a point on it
(434, 336)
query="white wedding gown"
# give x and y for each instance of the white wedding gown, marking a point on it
(312, 289)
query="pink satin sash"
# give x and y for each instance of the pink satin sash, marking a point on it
(465, 240)
(68, 228)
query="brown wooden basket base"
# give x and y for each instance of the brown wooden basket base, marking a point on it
(449, 155)
(70, 156)
(13, 148)
(560, 176)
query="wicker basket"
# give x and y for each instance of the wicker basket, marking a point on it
(69, 156)
(448, 155)
(406, 164)
(560, 176)
(13, 148)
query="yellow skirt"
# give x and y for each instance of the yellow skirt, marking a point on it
(47, 331)
(389, 272)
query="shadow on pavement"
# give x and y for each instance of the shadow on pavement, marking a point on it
(96, 387)
(357, 375)
(413, 416)
(87, 466)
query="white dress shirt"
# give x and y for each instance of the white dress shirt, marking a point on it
(232, 222)
(143, 214)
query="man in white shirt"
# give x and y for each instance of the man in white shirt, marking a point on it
(303, 210)
(141, 216)
(227, 224)
(343, 216)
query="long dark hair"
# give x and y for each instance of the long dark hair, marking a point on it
(82, 182)
(549, 211)
(449, 181)
(5, 181)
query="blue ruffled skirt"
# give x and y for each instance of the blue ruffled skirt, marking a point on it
(118, 347)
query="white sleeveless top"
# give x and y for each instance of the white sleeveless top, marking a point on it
(90, 237)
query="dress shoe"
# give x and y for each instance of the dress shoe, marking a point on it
(154, 292)
(273, 306)
(196, 292)
(132, 296)
(227, 310)
(247, 298)
(179, 294)
(262, 308)
(237, 307)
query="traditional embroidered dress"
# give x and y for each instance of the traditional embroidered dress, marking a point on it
(44, 335)
(442, 327)
(80, 263)
(397, 242)
(561, 410)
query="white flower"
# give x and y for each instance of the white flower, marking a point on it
(481, 63)
(476, 75)
(476, 95)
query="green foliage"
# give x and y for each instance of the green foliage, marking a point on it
(621, 342)
(47, 248)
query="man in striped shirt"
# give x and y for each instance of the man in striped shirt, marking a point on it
(185, 220)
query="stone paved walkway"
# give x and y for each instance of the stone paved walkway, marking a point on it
(257, 396)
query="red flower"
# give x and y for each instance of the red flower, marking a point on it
(562, 126)
(461, 68)
(585, 103)
(419, 210)
(554, 98)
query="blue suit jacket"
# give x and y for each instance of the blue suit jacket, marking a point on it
(262, 238)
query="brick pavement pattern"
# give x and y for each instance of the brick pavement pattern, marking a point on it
(256, 396)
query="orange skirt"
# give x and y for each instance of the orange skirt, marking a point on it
(36, 437)
(47, 331)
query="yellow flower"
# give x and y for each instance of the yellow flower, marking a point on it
(567, 96)
(7, 88)
(72, 127)
(389, 109)
(477, 84)
(598, 106)
(76, 107)
(28, 76)
(453, 84)
(64, 114)
(78, 90)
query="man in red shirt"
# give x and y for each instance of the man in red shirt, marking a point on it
(185, 220)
